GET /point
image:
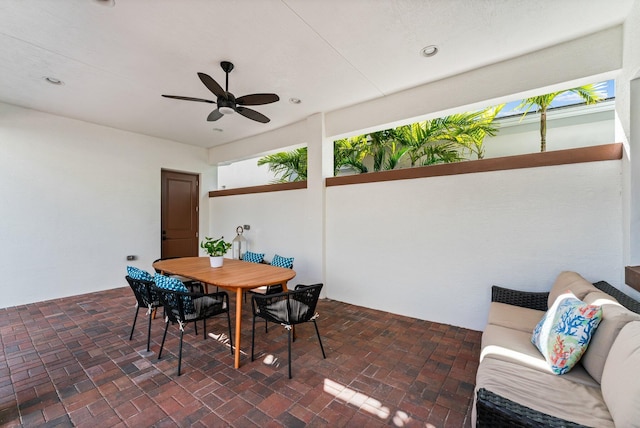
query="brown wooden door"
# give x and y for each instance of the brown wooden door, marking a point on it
(179, 214)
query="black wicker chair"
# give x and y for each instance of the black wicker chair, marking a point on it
(145, 298)
(288, 308)
(495, 411)
(264, 290)
(182, 308)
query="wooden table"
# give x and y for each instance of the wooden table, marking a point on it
(234, 275)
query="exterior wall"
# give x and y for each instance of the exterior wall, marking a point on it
(628, 132)
(431, 248)
(278, 223)
(77, 198)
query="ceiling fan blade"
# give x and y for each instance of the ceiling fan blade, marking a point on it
(252, 114)
(214, 115)
(178, 97)
(257, 99)
(212, 85)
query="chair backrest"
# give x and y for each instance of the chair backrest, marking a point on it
(175, 297)
(177, 304)
(143, 290)
(291, 307)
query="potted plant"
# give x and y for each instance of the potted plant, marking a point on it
(216, 248)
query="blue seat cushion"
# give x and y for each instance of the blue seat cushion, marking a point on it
(285, 262)
(135, 273)
(253, 257)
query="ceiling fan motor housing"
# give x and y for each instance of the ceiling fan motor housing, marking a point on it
(227, 105)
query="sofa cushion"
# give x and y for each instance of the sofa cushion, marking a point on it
(516, 317)
(614, 318)
(554, 395)
(620, 378)
(573, 282)
(507, 344)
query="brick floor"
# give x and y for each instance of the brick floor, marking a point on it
(69, 362)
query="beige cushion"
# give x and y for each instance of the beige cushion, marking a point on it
(507, 344)
(621, 377)
(573, 282)
(515, 317)
(551, 394)
(614, 318)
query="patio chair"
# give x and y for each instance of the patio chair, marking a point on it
(288, 308)
(279, 261)
(145, 298)
(182, 307)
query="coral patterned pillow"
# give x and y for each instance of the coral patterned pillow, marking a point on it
(564, 332)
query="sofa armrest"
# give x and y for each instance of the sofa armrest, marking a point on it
(525, 299)
(495, 411)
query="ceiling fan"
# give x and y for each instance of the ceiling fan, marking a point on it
(227, 102)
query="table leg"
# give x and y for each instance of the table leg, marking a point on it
(239, 296)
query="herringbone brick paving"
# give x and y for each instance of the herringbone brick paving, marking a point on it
(69, 362)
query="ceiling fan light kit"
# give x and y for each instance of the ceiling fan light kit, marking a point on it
(227, 102)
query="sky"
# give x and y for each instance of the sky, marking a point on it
(560, 101)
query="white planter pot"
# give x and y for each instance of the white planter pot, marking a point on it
(216, 261)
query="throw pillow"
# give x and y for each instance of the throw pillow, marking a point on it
(564, 332)
(253, 257)
(285, 262)
(174, 284)
(135, 273)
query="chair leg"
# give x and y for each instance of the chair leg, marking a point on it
(180, 352)
(253, 336)
(135, 317)
(164, 336)
(149, 333)
(195, 325)
(230, 335)
(266, 326)
(204, 327)
(289, 333)
(319, 340)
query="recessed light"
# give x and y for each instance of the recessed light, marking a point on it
(429, 51)
(217, 129)
(295, 100)
(53, 80)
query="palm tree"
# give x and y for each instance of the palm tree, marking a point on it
(591, 94)
(292, 165)
(439, 140)
(472, 127)
(350, 152)
(416, 136)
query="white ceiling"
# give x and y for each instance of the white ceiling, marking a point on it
(115, 62)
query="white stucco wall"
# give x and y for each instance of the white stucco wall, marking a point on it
(431, 248)
(76, 199)
(278, 223)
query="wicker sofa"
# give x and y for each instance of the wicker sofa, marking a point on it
(516, 388)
